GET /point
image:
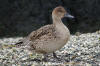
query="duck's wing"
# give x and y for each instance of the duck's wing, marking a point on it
(40, 32)
(36, 34)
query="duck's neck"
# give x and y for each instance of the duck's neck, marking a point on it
(57, 21)
(61, 28)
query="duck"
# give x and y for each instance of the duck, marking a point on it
(49, 38)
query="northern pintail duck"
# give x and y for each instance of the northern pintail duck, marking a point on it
(51, 37)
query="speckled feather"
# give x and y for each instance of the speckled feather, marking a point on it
(48, 30)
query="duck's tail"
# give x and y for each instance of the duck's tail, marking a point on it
(18, 44)
(22, 43)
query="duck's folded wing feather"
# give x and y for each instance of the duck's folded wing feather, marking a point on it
(40, 32)
(36, 34)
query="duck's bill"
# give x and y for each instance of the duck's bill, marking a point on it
(68, 15)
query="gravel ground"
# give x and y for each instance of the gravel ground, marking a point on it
(81, 50)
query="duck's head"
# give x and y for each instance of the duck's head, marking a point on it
(60, 12)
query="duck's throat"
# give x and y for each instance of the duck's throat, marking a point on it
(57, 22)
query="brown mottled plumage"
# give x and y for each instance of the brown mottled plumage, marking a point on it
(49, 38)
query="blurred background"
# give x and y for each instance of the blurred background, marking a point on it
(20, 17)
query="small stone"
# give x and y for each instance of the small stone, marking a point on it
(77, 33)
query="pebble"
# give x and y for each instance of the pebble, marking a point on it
(82, 49)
